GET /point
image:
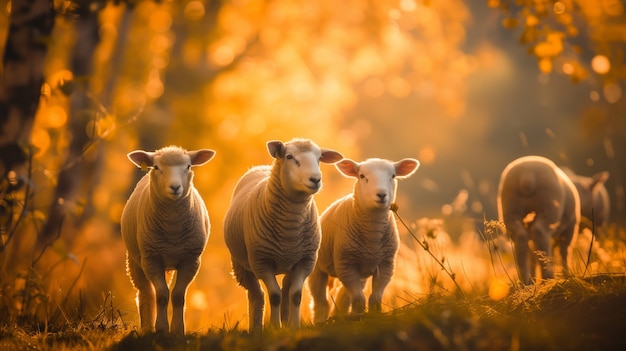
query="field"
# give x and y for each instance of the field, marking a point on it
(459, 307)
(572, 314)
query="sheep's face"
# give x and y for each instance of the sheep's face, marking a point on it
(301, 164)
(171, 174)
(172, 178)
(376, 179)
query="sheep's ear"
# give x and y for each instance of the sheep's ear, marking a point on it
(141, 158)
(406, 167)
(599, 178)
(348, 167)
(200, 157)
(276, 148)
(330, 156)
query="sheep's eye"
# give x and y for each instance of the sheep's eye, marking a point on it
(362, 176)
(289, 157)
(188, 167)
(155, 167)
(393, 176)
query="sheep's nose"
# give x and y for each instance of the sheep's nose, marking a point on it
(315, 180)
(175, 188)
(381, 196)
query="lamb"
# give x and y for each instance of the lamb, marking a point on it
(165, 226)
(272, 227)
(593, 198)
(359, 237)
(537, 201)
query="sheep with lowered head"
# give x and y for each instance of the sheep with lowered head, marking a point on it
(595, 204)
(359, 237)
(538, 202)
(165, 226)
(272, 227)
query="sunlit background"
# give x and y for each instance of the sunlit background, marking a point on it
(463, 86)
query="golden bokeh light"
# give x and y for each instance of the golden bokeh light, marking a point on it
(160, 21)
(40, 139)
(612, 92)
(194, 10)
(55, 117)
(498, 289)
(600, 64)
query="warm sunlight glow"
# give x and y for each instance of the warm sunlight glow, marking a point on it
(559, 7)
(160, 21)
(194, 10)
(600, 64)
(426, 155)
(223, 55)
(197, 300)
(56, 117)
(498, 289)
(612, 92)
(41, 140)
(374, 87)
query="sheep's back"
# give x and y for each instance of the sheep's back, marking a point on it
(539, 187)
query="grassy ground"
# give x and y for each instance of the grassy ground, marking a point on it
(572, 314)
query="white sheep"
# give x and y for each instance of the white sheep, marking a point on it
(593, 198)
(165, 226)
(538, 202)
(359, 237)
(272, 227)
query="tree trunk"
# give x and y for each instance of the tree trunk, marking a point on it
(77, 172)
(26, 47)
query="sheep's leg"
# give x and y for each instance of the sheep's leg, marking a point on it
(564, 240)
(146, 299)
(318, 285)
(284, 307)
(273, 289)
(185, 274)
(520, 242)
(256, 297)
(542, 238)
(353, 283)
(155, 271)
(293, 299)
(342, 303)
(380, 280)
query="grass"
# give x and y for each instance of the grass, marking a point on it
(571, 314)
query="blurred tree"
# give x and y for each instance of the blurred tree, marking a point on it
(77, 172)
(573, 37)
(21, 81)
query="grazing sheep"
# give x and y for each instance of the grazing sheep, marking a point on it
(538, 202)
(359, 237)
(272, 227)
(165, 226)
(593, 198)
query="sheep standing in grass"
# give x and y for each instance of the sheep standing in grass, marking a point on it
(593, 198)
(538, 202)
(272, 227)
(359, 237)
(165, 226)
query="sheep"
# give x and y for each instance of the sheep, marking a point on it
(537, 201)
(593, 198)
(272, 227)
(359, 237)
(165, 226)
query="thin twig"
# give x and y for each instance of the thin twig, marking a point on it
(394, 209)
(593, 234)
